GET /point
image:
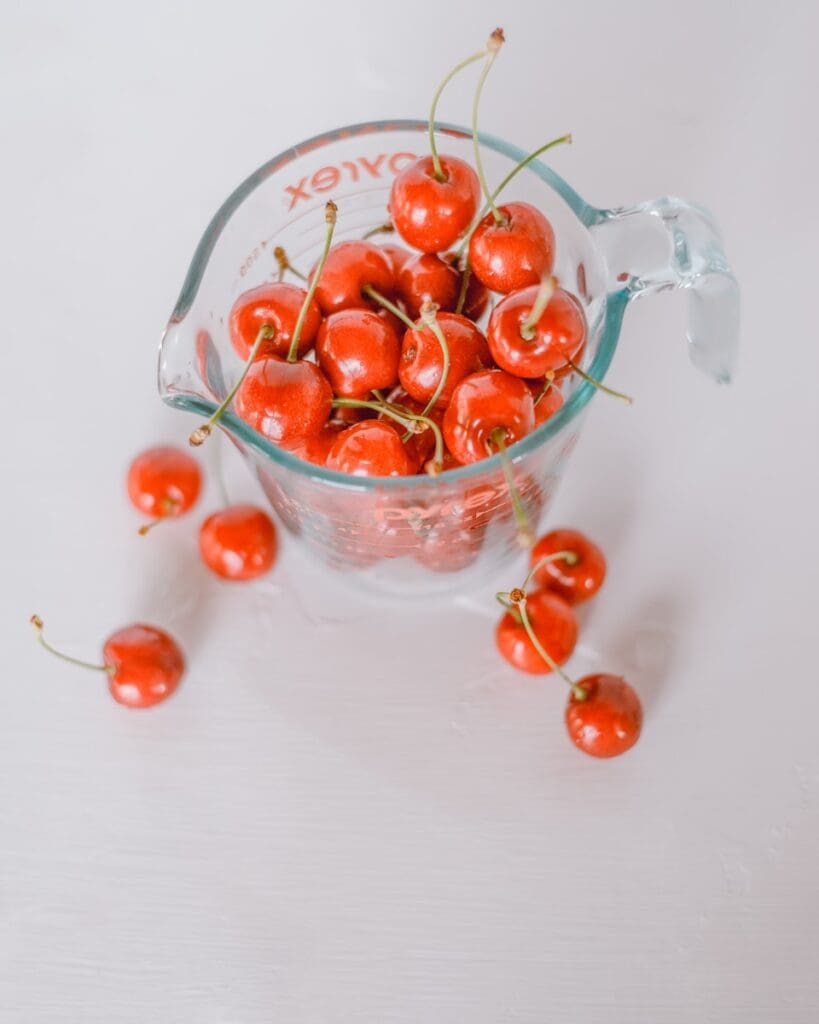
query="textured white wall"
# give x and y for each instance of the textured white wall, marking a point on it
(352, 812)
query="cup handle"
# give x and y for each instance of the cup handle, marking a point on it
(668, 244)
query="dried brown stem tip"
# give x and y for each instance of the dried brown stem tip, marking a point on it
(199, 436)
(330, 212)
(496, 41)
(37, 622)
(517, 595)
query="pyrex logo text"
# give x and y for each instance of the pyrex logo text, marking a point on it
(331, 176)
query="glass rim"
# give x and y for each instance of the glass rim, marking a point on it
(615, 303)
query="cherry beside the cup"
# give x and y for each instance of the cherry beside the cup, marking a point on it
(607, 721)
(238, 542)
(554, 625)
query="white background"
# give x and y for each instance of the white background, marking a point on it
(353, 811)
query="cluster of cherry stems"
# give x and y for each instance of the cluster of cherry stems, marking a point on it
(369, 404)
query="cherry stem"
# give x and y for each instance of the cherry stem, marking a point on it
(203, 432)
(599, 385)
(382, 300)
(569, 557)
(330, 217)
(496, 40)
(518, 597)
(511, 609)
(219, 473)
(518, 167)
(465, 276)
(542, 300)
(430, 320)
(37, 622)
(548, 381)
(168, 505)
(402, 416)
(437, 170)
(284, 264)
(386, 228)
(526, 536)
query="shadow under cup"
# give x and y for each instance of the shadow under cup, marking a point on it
(405, 535)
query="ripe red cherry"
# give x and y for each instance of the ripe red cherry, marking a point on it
(554, 625)
(547, 404)
(419, 446)
(398, 256)
(315, 449)
(350, 266)
(422, 360)
(477, 298)
(284, 402)
(532, 349)
(432, 215)
(238, 542)
(608, 721)
(483, 405)
(144, 665)
(164, 481)
(574, 582)
(275, 305)
(427, 278)
(515, 253)
(369, 448)
(358, 351)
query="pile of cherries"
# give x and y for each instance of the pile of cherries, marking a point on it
(378, 368)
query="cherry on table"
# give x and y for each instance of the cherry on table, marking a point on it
(576, 579)
(144, 664)
(162, 482)
(515, 252)
(604, 716)
(554, 625)
(238, 542)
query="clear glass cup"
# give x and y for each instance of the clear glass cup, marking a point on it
(409, 535)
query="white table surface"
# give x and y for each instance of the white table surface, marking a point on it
(352, 811)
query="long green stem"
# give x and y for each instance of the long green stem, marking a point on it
(526, 536)
(465, 276)
(284, 264)
(548, 382)
(381, 229)
(202, 433)
(518, 167)
(437, 170)
(579, 692)
(382, 300)
(542, 300)
(330, 217)
(430, 320)
(493, 48)
(400, 415)
(599, 385)
(37, 622)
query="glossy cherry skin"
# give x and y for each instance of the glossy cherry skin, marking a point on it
(277, 305)
(574, 583)
(164, 481)
(427, 278)
(316, 448)
(358, 351)
(145, 665)
(476, 300)
(609, 720)
(284, 402)
(351, 265)
(398, 256)
(554, 625)
(559, 333)
(238, 542)
(514, 254)
(422, 360)
(369, 448)
(546, 405)
(432, 215)
(482, 403)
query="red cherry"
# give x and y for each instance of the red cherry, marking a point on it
(145, 665)
(483, 404)
(370, 448)
(348, 414)
(515, 253)
(164, 481)
(422, 360)
(477, 298)
(276, 305)
(284, 402)
(358, 351)
(532, 349)
(315, 449)
(547, 404)
(574, 582)
(554, 625)
(427, 278)
(238, 542)
(350, 266)
(392, 321)
(608, 721)
(432, 215)
(398, 256)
